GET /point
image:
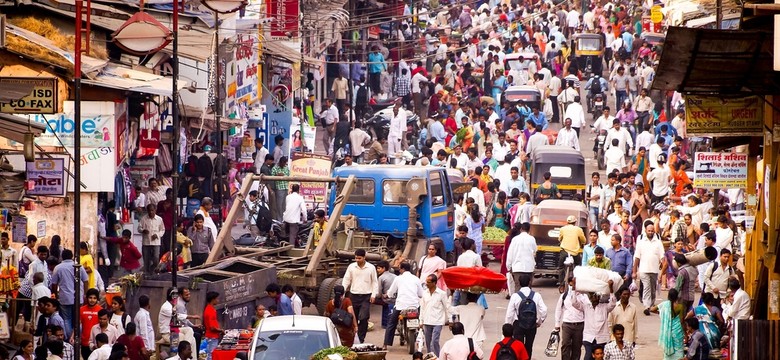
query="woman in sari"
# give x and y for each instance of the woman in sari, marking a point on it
(504, 268)
(681, 177)
(710, 319)
(500, 212)
(339, 301)
(465, 135)
(642, 164)
(671, 335)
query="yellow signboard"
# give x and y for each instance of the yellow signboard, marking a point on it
(42, 98)
(714, 116)
(655, 14)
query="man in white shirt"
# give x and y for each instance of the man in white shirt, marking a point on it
(593, 197)
(659, 179)
(514, 182)
(166, 313)
(567, 137)
(596, 332)
(740, 306)
(433, 313)
(617, 132)
(647, 262)
(604, 122)
(294, 212)
(717, 275)
(143, 320)
(501, 147)
(461, 159)
(459, 346)
(654, 152)
(645, 138)
(536, 140)
(360, 280)
(358, 138)
(395, 133)
(472, 161)
(417, 80)
(525, 335)
(331, 115)
(102, 348)
(407, 291)
(576, 113)
(184, 353)
(152, 229)
(724, 236)
(469, 258)
(521, 255)
(615, 157)
(570, 322)
(478, 196)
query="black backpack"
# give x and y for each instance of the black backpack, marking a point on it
(505, 352)
(361, 99)
(595, 87)
(526, 312)
(191, 167)
(264, 219)
(205, 167)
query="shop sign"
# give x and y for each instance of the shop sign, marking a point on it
(284, 18)
(48, 175)
(97, 125)
(241, 74)
(715, 116)
(41, 100)
(720, 170)
(303, 143)
(306, 164)
(41, 233)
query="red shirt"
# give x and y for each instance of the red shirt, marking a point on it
(517, 346)
(89, 318)
(134, 347)
(210, 322)
(130, 254)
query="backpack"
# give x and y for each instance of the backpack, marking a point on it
(264, 219)
(526, 312)
(205, 167)
(472, 354)
(505, 352)
(595, 87)
(361, 99)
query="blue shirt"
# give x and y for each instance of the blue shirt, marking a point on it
(285, 305)
(539, 119)
(63, 277)
(628, 39)
(376, 63)
(622, 260)
(437, 131)
(517, 184)
(588, 252)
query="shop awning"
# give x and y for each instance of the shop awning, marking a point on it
(284, 52)
(13, 127)
(122, 78)
(717, 62)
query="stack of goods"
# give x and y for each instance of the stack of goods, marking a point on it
(236, 339)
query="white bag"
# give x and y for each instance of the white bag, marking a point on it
(510, 283)
(420, 342)
(592, 279)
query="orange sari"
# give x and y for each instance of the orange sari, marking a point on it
(680, 179)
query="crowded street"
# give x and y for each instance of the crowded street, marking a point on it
(389, 180)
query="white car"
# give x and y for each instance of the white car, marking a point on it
(292, 337)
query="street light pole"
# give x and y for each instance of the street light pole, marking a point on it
(176, 140)
(218, 114)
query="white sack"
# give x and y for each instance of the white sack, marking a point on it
(592, 279)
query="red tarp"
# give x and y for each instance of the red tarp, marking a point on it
(473, 279)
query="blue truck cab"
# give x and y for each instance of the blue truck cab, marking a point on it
(384, 198)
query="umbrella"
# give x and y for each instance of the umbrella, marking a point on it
(473, 279)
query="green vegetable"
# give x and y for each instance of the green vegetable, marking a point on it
(323, 354)
(461, 134)
(493, 234)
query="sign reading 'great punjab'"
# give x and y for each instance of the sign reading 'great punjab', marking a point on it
(714, 116)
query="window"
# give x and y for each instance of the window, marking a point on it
(363, 193)
(289, 344)
(394, 191)
(560, 172)
(437, 192)
(589, 44)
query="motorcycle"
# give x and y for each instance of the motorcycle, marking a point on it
(278, 232)
(408, 326)
(378, 124)
(597, 105)
(601, 138)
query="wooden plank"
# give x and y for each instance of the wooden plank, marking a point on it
(330, 226)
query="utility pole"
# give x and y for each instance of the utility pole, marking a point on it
(176, 139)
(218, 114)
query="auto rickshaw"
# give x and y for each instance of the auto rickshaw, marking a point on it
(589, 53)
(547, 218)
(527, 93)
(567, 167)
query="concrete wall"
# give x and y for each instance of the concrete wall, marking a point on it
(58, 214)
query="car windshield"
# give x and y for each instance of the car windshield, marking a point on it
(289, 344)
(589, 44)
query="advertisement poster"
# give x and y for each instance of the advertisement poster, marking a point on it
(97, 125)
(306, 164)
(241, 75)
(711, 115)
(278, 102)
(303, 143)
(48, 175)
(19, 229)
(720, 170)
(284, 18)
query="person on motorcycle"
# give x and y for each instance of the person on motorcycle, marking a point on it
(643, 107)
(596, 85)
(627, 117)
(604, 122)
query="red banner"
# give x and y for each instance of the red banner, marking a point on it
(285, 18)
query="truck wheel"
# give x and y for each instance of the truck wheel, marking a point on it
(325, 293)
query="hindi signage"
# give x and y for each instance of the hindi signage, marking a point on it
(48, 175)
(42, 99)
(715, 116)
(720, 170)
(284, 18)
